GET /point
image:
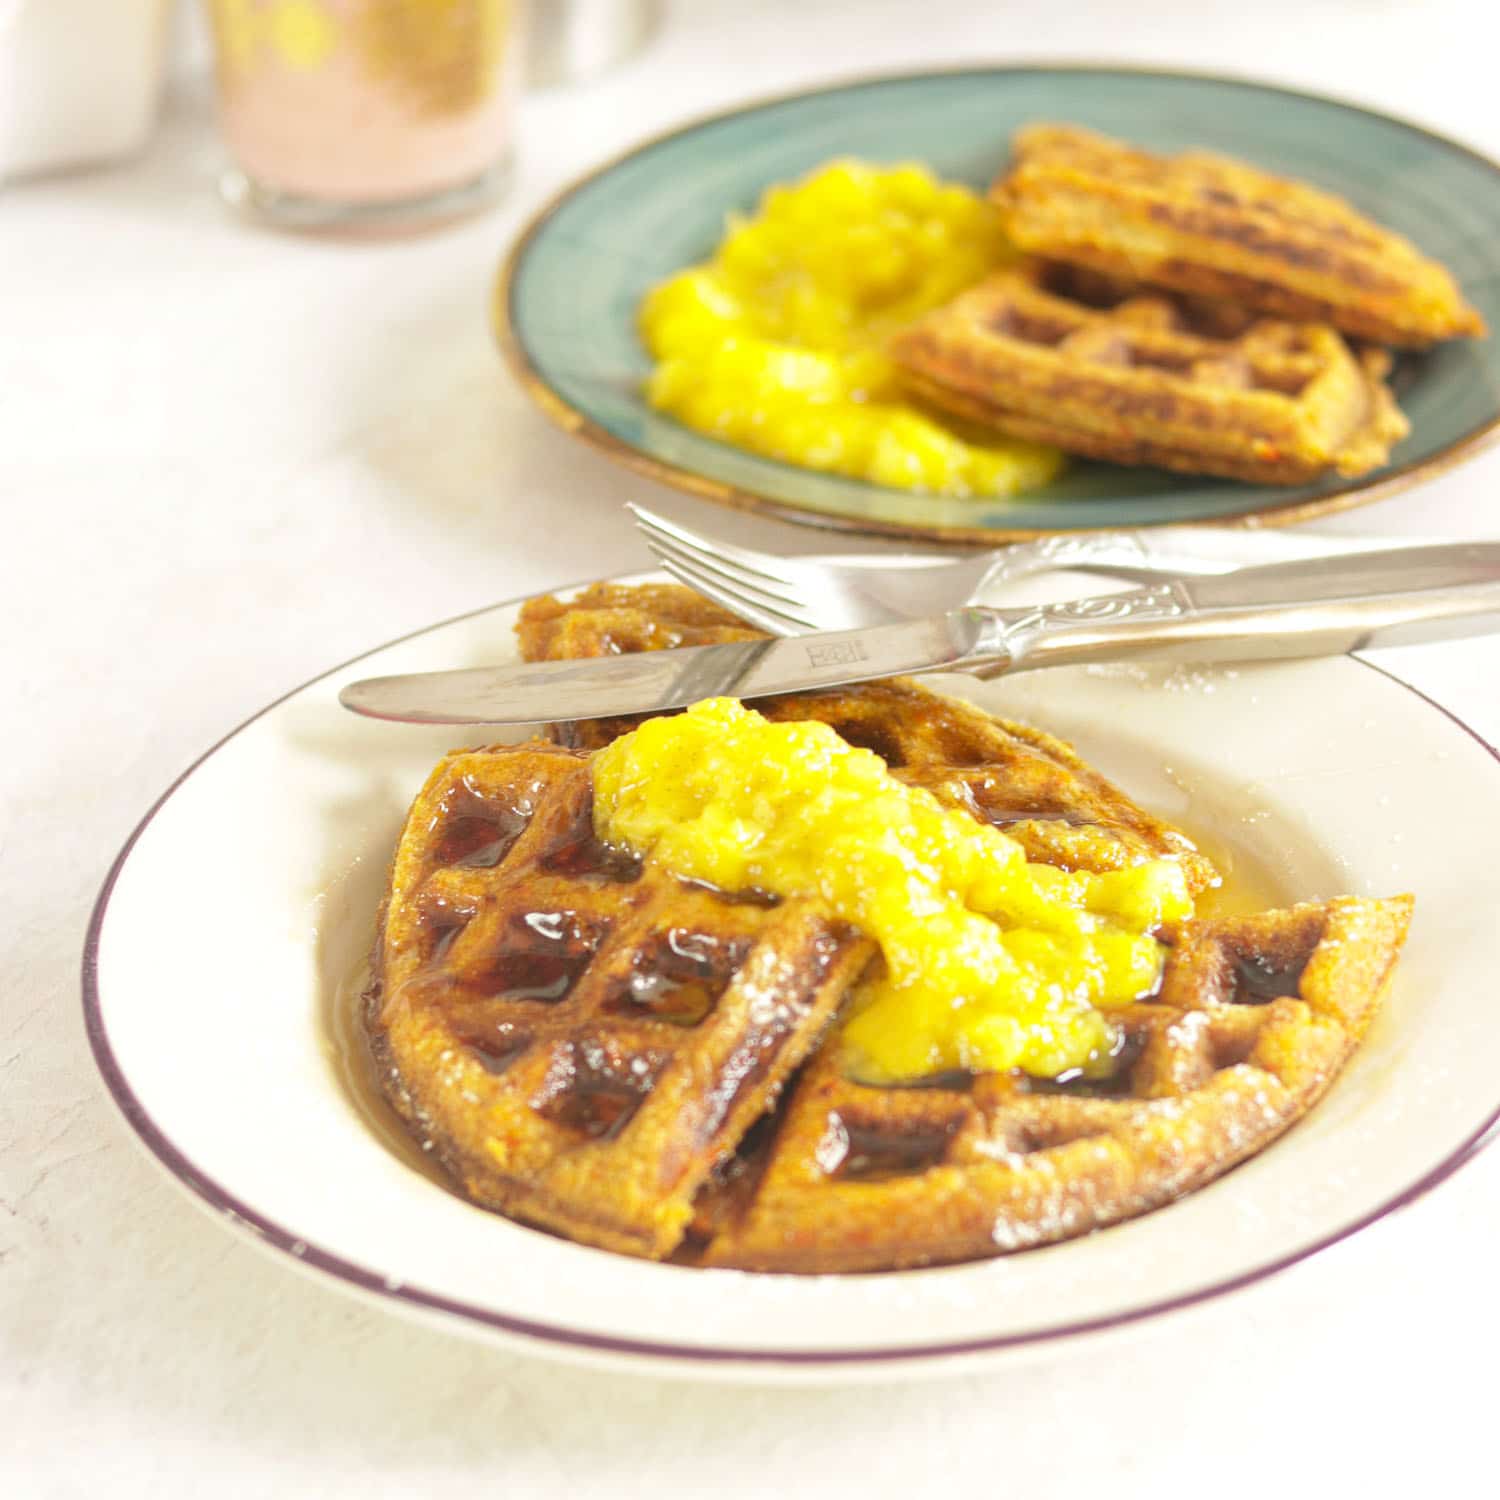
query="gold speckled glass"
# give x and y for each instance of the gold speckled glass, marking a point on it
(342, 113)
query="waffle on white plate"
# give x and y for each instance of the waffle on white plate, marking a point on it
(645, 1064)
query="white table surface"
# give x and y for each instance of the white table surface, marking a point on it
(230, 459)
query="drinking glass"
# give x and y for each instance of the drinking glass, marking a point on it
(367, 113)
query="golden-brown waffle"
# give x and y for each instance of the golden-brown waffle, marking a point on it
(613, 619)
(1207, 224)
(577, 1037)
(1136, 377)
(588, 1044)
(1254, 1018)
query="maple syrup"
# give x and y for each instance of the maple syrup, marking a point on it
(591, 1091)
(478, 832)
(1257, 980)
(863, 1152)
(578, 853)
(544, 955)
(679, 977)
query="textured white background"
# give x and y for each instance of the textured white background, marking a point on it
(230, 459)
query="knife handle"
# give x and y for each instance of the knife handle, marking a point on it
(1312, 607)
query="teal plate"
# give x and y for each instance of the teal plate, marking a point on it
(567, 297)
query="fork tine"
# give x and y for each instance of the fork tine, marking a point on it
(666, 545)
(737, 589)
(761, 620)
(707, 547)
(761, 616)
(765, 588)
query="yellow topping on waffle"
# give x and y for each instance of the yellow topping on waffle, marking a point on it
(989, 961)
(775, 344)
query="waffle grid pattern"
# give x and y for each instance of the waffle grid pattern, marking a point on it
(1142, 377)
(1253, 1020)
(581, 1037)
(1200, 223)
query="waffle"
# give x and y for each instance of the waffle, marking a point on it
(1207, 224)
(1253, 1020)
(1134, 377)
(579, 1038)
(611, 619)
(597, 1047)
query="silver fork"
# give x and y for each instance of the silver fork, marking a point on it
(795, 595)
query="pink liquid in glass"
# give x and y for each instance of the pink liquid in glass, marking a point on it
(367, 102)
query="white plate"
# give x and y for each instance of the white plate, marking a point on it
(231, 927)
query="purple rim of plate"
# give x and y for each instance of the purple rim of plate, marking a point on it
(222, 1202)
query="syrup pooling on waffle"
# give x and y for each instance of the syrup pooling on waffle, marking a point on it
(580, 1037)
(1141, 377)
(1202, 223)
(1253, 1020)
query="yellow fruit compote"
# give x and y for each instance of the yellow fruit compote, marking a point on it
(989, 961)
(775, 344)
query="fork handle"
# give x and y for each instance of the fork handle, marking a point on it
(1070, 550)
(1167, 549)
(1314, 607)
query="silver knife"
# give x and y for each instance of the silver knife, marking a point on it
(1313, 607)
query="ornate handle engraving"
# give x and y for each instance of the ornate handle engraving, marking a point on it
(1156, 603)
(1163, 601)
(1108, 549)
(1059, 551)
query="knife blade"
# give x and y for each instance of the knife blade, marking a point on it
(606, 686)
(1311, 607)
